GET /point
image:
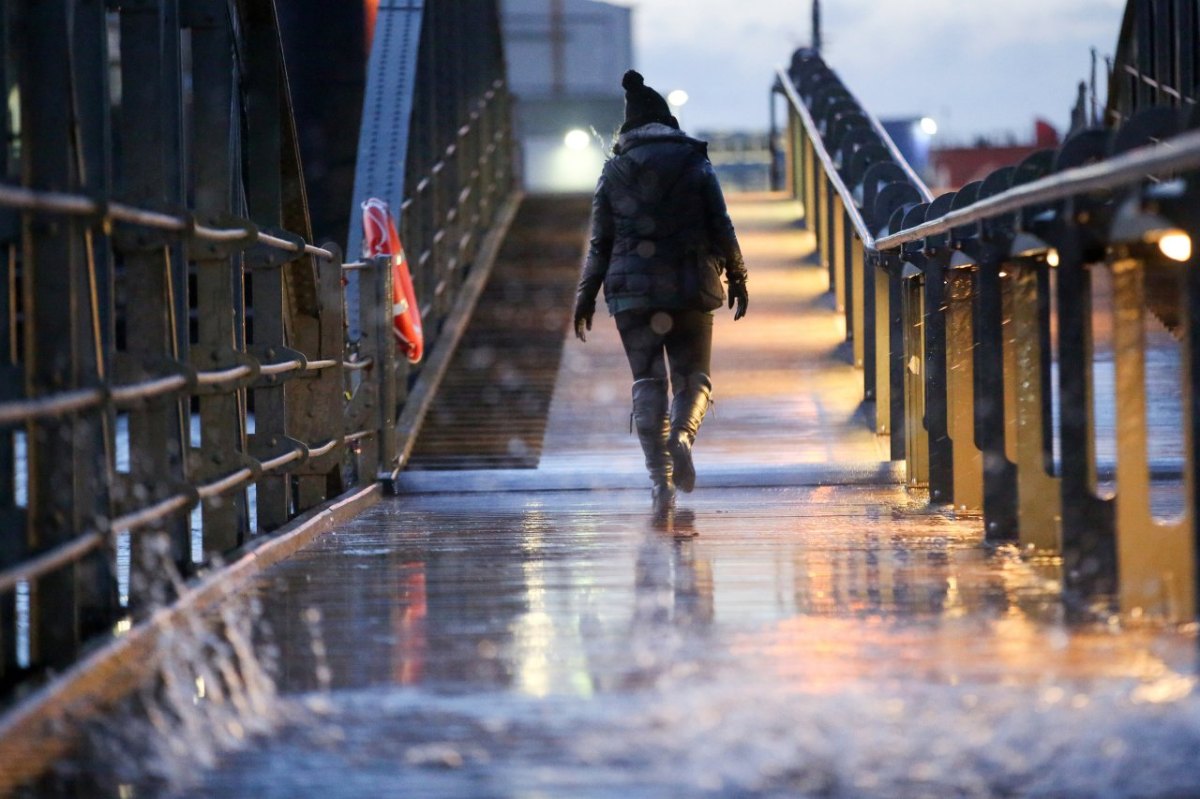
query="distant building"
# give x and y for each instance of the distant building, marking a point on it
(954, 167)
(565, 62)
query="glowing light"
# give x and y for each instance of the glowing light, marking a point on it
(576, 139)
(1052, 257)
(928, 126)
(1176, 245)
(677, 98)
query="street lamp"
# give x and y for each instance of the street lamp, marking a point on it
(677, 98)
(576, 139)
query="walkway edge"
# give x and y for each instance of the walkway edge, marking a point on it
(412, 415)
(791, 475)
(31, 732)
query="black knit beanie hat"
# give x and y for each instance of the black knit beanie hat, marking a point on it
(643, 105)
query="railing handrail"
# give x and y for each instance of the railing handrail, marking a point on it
(1178, 153)
(22, 198)
(818, 145)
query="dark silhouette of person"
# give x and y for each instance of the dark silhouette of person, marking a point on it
(661, 240)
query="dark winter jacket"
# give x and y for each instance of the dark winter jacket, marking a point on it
(661, 236)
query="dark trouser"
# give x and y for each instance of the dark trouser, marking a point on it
(684, 336)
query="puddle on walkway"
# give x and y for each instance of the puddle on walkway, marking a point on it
(808, 642)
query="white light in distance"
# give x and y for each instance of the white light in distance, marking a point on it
(1176, 245)
(1052, 257)
(677, 98)
(928, 126)
(577, 139)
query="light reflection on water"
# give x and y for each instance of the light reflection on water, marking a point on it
(796, 647)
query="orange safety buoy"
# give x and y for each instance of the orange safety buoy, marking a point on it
(380, 238)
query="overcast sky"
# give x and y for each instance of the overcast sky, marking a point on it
(979, 67)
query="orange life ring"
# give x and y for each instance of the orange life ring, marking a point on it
(380, 238)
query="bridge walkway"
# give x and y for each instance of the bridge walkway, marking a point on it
(482, 635)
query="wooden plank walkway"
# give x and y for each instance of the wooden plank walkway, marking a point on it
(810, 640)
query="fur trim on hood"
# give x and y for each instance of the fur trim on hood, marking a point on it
(652, 132)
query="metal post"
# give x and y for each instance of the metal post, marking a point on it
(65, 493)
(1088, 543)
(837, 251)
(264, 196)
(1155, 558)
(219, 278)
(383, 348)
(858, 277)
(913, 315)
(960, 389)
(890, 351)
(150, 158)
(11, 377)
(1038, 493)
(999, 474)
(941, 448)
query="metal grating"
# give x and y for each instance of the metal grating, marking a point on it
(491, 409)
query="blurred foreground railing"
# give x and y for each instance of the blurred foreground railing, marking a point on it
(1027, 340)
(174, 382)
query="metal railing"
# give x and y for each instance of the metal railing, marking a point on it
(976, 316)
(182, 381)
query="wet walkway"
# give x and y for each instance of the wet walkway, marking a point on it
(809, 640)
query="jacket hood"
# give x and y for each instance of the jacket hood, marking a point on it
(653, 133)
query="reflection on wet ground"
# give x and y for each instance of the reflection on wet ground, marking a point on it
(821, 641)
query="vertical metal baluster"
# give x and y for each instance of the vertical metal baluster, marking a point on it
(871, 333)
(999, 474)
(1185, 55)
(13, 521)
(58, 353)
(960, 388)
(150, 163)
(1038, 493)
(941, 448)
(1088, 543)
(820, 215)
(219, 280)
(264, 196)
(856, 278)
(100, 603)
(320, 394)
(837, 252)
(829, 215)
(1144, 94)
(892, 318)
(913, 317)
(379, 321)
(811, 213)
(1155, 559)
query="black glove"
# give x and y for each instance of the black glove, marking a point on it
(584, 311)
(737, 293)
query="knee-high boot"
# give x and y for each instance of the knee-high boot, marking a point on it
(688, 407)
(650, 419)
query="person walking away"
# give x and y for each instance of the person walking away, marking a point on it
(661, 239)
